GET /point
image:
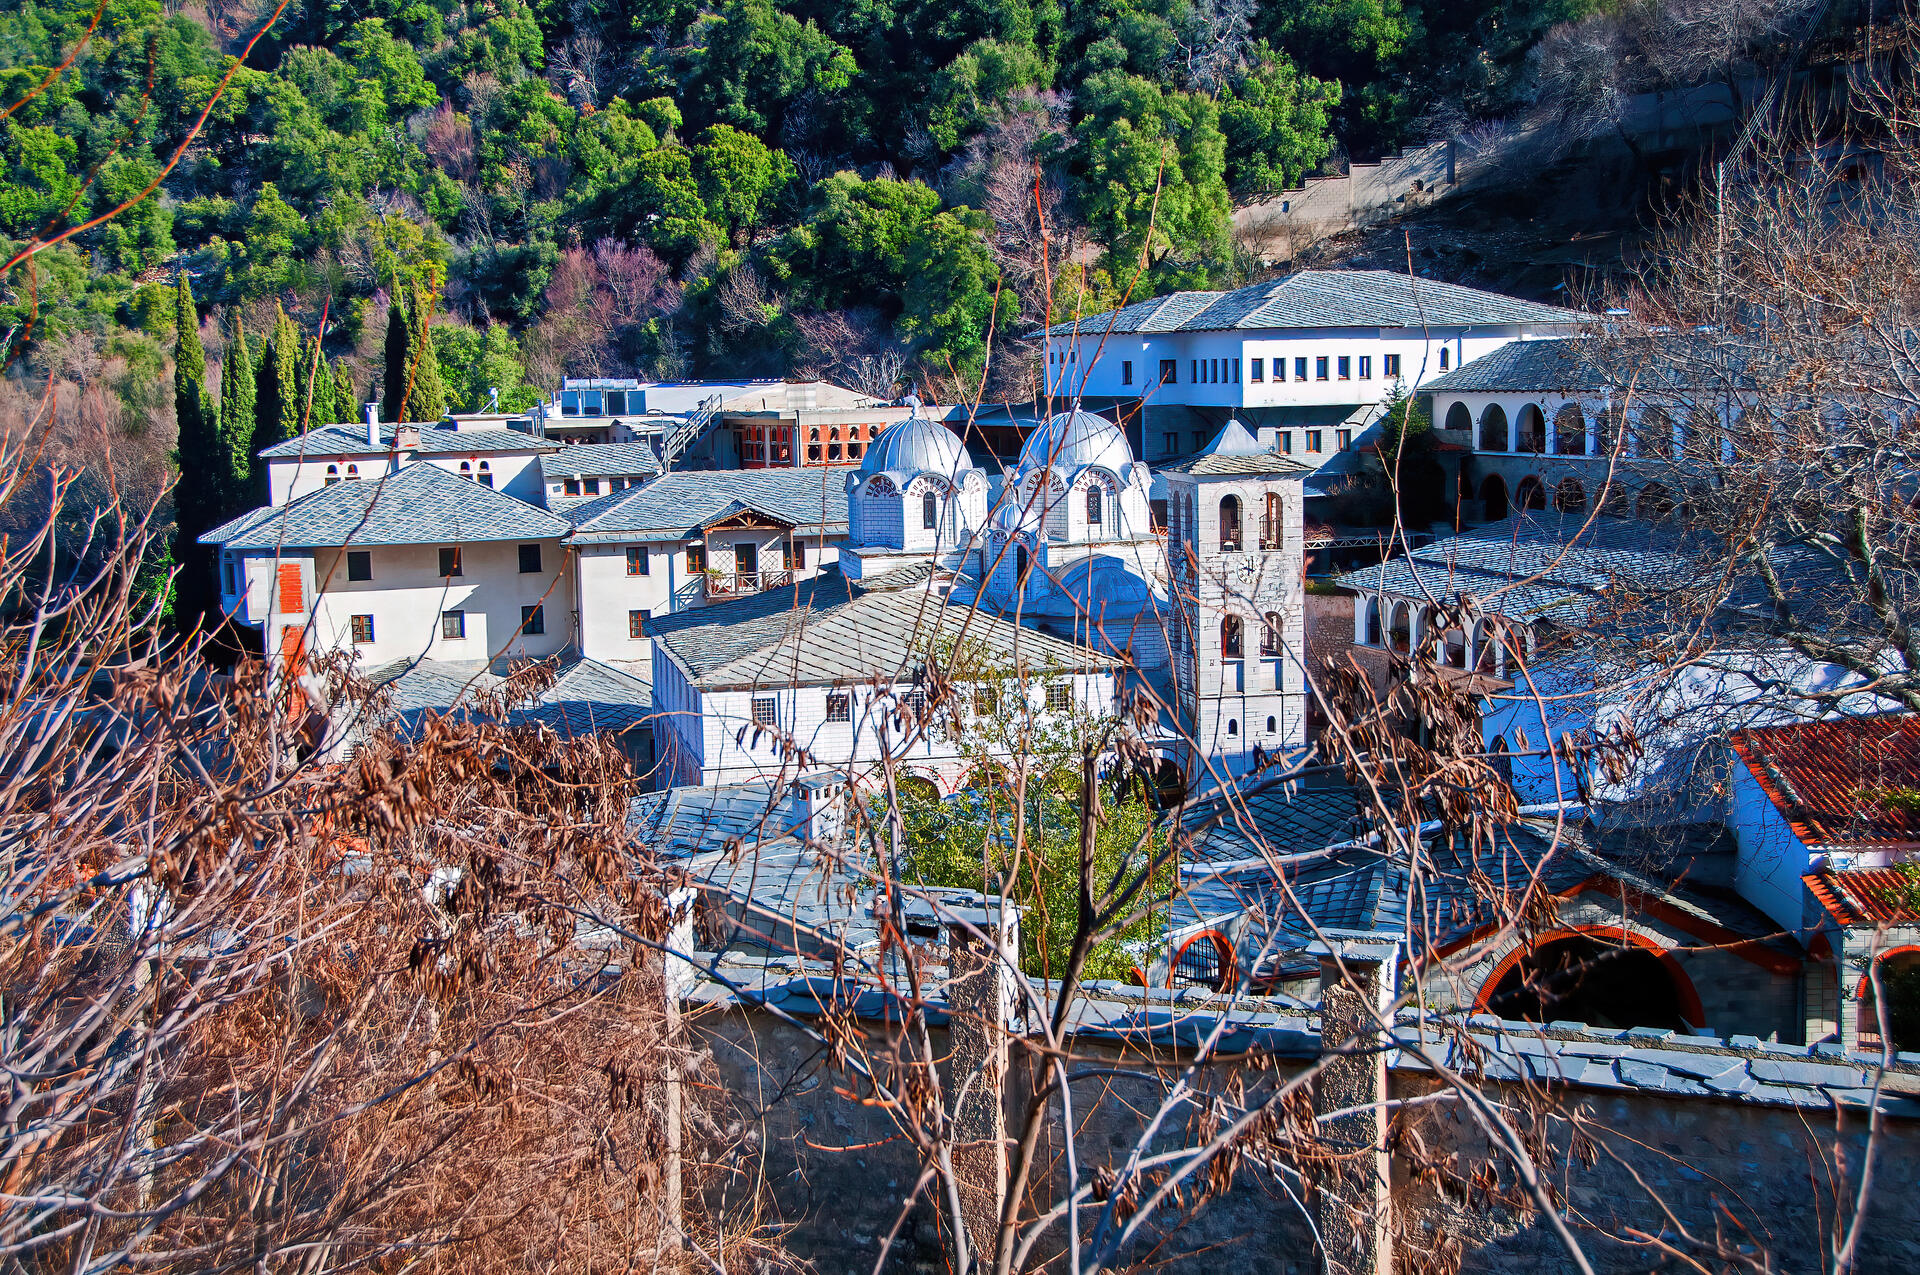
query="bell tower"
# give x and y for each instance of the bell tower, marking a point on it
(1235, 559)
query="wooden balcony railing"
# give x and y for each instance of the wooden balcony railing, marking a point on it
(738, 584)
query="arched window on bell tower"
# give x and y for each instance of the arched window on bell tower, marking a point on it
(1229, 523)
(1093, 506)
(929, 510)
(1270, 522)
(1230, 640)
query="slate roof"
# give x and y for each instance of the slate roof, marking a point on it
(830, 630)
(675, 506)
(599, 460)
(1259, 822)
(1322, 299)
(1866, 896)
(1653, 365)
(1541, 563)
(1853, 781)
(422, 504)
(588, 696)
(351, 440)
(1534, 367)
(696, 820)
(1645, 1060)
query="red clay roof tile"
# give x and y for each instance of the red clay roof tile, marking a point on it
(1866, 896)
(1854, 781)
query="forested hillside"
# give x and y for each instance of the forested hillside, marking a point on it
(683, 189)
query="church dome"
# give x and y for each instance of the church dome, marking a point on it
(915, 446)
(1074, 440)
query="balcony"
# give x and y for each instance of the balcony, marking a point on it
(738, 584)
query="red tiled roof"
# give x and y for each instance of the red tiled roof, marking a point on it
(1867, 896)
(1854, 781)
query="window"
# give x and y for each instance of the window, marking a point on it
(1346, 368)
(589, 486)
(1366, 367)
(570, 487)
(453, 624)
(466, 470)
(362, 630)
(1256, 369)
(1286, 442)
(1299, 369)
(696, 559)
(1233, 726)
(839, 706)
(359, 564)
(929, 511)
(1093, 506)
(1445, 354)
(916, 702)
(1169, 371)
(533, 620)
(1059, 698)
(1229, 524)
(353, 473)
(793, 554)
(637, 623)
(1230, 644)
(1169, 444)
(1272, 634)
(1345, 439)
(766, 711)
(1273, 725)
(449, 562)
(638, 563)
(1313, 440)
(1236, 371)
(1126, 372)
(1199, 439)
(1193, 371)
(486, 474)
(333, 475)
(1390, 365)
(529, 559)
(1320, 368)
(986, 700)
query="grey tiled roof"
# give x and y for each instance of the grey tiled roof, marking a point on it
(1324, 299)
(673, 506)
(1217, 466)
(1541, 563)
(1253, 822)
(599, 460)
(1654, 366)
(830, 630)
(351, 440)
(697, 820)
(1534, 367)
(587, 696)
(422, 504)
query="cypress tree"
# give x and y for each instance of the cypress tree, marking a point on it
(346, 404)
(236, 421)
(277, 408)
(428, 402)
(198, 500)
(393, 382)
(313, 402)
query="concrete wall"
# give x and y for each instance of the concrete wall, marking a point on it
(1770, 857)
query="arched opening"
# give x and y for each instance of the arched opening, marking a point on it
(1373, 622)
(929, 510)
(1205, 960)
(1569, 431)
(1653, 435)
(1455, 646)
(1502, 758)
(1570, 497)
(1093, 507)
(1271, 632)
(466, 469)
(1458, 417)
(486, 474)
(1486, 649)
(1493, 429)
(353, 473)
(1530, 431)
(1587, 979)
(1273, 725)
(1233, 727)
(1611, 430)
(1654, 503)
(1532, 494)
(1229, 523)
(333, 475)
(1169, 782)
(1493, 497)
(917, 789)
(1270, 522)
(1230, 643)
(1400, 626)
(1020, 565)
(1900, 980)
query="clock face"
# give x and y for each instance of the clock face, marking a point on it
(1249, 568)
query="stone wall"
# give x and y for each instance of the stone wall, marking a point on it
(1742, 1140)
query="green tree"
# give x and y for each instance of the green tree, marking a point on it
(398, 350)
(236, 417)
(1152, 171)
(738, 176)
(1278, 125)
(948, 297)
(751, 60)
(347, 407)
(313, 397)
(276, 414)
(200, 463)
(427, 401)
(478, 362)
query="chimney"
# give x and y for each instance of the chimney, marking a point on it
(1352, 1206)
(373, 424)
(406, 437)
(822, 796)
(982, 945)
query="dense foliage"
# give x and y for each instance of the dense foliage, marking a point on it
(673, 188)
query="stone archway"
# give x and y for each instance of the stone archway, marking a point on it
(1592, 975)
(1493, 497)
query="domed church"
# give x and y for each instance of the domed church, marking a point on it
(915, 497)
(1071, 544)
